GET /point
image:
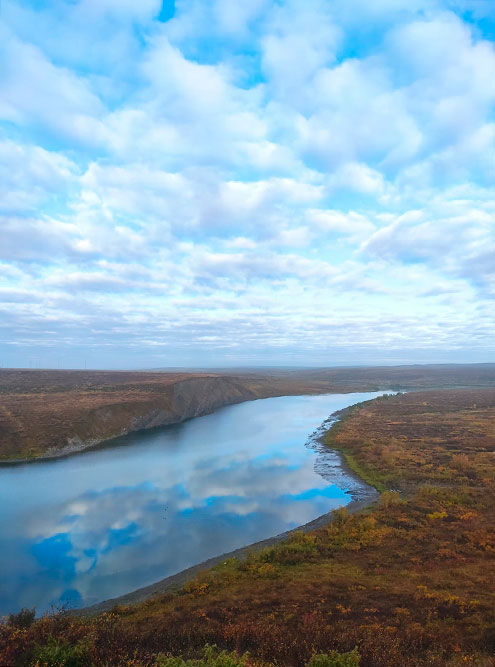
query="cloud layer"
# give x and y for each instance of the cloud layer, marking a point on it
(224, 183)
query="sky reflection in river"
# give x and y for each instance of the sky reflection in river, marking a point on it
(110, 520)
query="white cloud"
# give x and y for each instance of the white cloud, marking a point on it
(29, 175)
(119, 9)
(350, 224)
(300, 41)
(460, 245)
(359, 177)
(233, 18)
(38, 240)
(33, 90)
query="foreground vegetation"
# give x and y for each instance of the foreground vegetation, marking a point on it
(409, 582)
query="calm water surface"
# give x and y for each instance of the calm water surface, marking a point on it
(99, 524)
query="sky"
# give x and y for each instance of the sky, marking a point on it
(218, 183)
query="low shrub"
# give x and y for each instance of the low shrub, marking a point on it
(214, 658)
(335, 659)
(211, 658)
(62, 654)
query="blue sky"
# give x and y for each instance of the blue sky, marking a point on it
(230, 183)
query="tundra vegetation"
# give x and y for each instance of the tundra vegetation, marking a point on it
(52, 412)
(408, 582)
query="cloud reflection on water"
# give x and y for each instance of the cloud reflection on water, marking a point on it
(184, 505)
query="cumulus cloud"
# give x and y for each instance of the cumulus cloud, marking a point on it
(340, 223)
(300, 39)
(31, 175)
(460, 245)
(37, 92)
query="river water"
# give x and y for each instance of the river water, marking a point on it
(98, 524)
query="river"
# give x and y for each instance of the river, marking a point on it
(96, 525)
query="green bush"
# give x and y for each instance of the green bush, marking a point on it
(62, 654)
(335, 659)
(211, 658)
(300, 547)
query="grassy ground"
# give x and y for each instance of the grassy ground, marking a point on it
(409, 582)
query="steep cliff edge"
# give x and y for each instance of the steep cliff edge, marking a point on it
(189, 398)
(59, 423)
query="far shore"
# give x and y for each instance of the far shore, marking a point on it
(82, 446)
